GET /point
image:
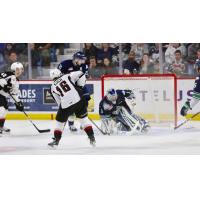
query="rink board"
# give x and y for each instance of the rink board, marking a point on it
(39, 104)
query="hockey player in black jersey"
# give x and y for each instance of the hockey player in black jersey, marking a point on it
(113, 109)
(67, 92)
(76, 64)
(190, 103)
(9, 84)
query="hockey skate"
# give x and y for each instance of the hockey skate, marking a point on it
(145, 128)
(92, 141)
(54, 143)
(4, 130)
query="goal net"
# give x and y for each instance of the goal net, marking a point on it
(156, 95)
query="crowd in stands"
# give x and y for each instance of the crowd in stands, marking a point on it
(142, 58)
(106, 58)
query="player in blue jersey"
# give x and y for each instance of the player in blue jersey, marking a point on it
(116, 112)
(190, 103)
(76, 64)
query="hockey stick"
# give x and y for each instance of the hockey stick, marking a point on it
(28, 117)
(187, 120)
(97, 126)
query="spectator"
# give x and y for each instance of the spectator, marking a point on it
(196, 63)
(178, 66)
(126, 47)
(198, 54)
(8, 49)
(95, 71)
(2, 60)
(130, 66)
(139, 50)
(106, 52)
(147, 66)
(192, 52)
(90, 51)
(182, 48)
(44, 52)
(35, 61)
(156, 67)
(108, 66)
(12, 58)
(154, 52)
(20, 48)
(55, 50)
(169, 54)
(191, 58)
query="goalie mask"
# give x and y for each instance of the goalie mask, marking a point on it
(111, 95)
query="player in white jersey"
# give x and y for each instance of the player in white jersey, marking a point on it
(9, 84)
(67, 90)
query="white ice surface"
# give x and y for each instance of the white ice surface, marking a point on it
(24, 139)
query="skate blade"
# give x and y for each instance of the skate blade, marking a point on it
(93, 145)
(54, 147)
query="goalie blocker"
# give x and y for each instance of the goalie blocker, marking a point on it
(115, 112)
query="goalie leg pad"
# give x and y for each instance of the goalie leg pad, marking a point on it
(107, 125)
(131, 120)
(143, 124)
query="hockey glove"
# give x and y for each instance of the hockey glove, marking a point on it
(19, 106)
(185, 108)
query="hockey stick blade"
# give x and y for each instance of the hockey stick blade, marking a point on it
(30, 120)
(187, 120)
(44, 130)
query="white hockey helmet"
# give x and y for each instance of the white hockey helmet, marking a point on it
(16, 65)
(55, 73)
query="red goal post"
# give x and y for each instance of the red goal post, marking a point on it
(156, 94)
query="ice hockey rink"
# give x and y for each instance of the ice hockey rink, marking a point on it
(24, 139)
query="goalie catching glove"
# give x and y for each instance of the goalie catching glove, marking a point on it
(19, 106)
(185, 108)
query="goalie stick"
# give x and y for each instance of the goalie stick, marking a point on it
(97, 126)
(28, 117)
(187, 120)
